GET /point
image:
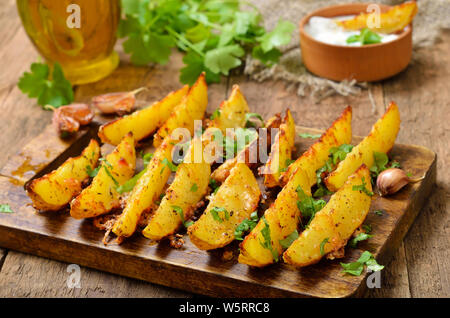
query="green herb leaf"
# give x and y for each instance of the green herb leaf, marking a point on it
(92, 172)
(306, 135)
(213, 185)
(249, 116)
(285, 243)
(169, 164)
(5, 208)
(280, 35)
(215, 114)
(55, 91)
(245, 226)
(362, 187)
(356, 268)
(223, 59)
(194, 187)
(215, 214)
(367, 228)
(267, 244)
(322, 245)
(179, 211)
(307, 205)
(366, 36)
(360, 237)
(378, 212)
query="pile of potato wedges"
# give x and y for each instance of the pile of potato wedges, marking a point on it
(217, 200)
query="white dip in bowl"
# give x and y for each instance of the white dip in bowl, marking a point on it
(327, 31)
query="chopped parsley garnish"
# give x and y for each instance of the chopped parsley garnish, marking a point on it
(287, 163)
(169, 164)
(285, 243)
(378, 212)
(92, 172)
(267, 244)
(215, 114)
(310, 136)
(194, 187)
(362, 187)
(214, 186)
(322, 245)
(360, 237)
(366, 36)
(179, 211)
(249, 116)
(215, 214)
(381, 163)
(307, 205)
(5, 208)
(356, 268)
(367, 228)
(245, 226)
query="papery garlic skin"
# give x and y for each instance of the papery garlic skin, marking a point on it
(391, 181)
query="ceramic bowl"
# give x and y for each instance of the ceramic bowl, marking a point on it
(366, 63)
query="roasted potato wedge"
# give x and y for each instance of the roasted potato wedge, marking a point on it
(314, 158)
(56, 189)
(381, 139)
(144, 122)
(235, 200)
(283, 215)
(281, 152)
(192, 108)
(180, 195)
(334, 224)
(147, 190)
(151, 184)
(102, 196)
(231, 113)
(188, 188)
(394, 20)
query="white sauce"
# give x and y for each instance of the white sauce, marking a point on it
(327, 31)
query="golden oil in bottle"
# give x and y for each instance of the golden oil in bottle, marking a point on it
(79, 34)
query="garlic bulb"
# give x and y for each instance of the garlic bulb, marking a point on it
(392, 180)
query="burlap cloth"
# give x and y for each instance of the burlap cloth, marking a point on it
(433, 16)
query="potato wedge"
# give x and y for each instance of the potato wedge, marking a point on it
(151, 184)
(180, 195)
(144, 122)
(235, 200)
(334, 224)
(56, 189)
(102, 196)
(394, 20)
(188, 188)
(231, 113)
(314, 158)
(147, 190)
(282, 217)
(381, 139)
(281, 152)
(192, 108)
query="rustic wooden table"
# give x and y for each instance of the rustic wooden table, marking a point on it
(421, 266)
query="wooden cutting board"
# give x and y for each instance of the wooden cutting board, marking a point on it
(58, 236)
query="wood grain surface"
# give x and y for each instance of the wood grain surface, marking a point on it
(419, 268)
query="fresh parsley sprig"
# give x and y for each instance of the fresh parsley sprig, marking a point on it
(245, 226)
(49, 88)
(215, 35)
(356, 268)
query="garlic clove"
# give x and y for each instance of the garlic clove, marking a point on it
(69, 118)
(391, 181)
(116, 103)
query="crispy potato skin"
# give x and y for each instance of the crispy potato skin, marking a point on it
(101, 196)
(232, 111)
(314, 158)
(147, 190)
(337, 221)
(165, 221)
(396, 19)
(281, 151)
(381, 139)
(239, 195)
(55, 190)
(142, 122)
(188, 188)
(192, 108)
(284, 214)
(151, 184)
